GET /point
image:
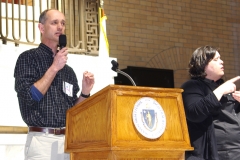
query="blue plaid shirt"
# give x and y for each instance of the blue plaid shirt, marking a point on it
(50, 111)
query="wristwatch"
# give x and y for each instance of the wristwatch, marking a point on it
(84, 95)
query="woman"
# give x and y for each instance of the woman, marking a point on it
(212, 108)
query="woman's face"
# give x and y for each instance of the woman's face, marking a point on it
(215, 69)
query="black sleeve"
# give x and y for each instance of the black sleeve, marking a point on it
(198, 103)
(25, 74)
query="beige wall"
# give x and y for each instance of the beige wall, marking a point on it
(164, 33)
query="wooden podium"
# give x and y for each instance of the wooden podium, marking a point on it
(101, 127)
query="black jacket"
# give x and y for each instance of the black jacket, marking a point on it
(213, 126)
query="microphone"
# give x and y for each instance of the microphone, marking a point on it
(114, 65)
(62, 41)
(115, 68)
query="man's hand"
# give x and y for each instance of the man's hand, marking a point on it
(87, 82)
(60, 59)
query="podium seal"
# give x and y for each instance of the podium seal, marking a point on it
(149, 118)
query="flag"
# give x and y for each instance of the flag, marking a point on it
(103, 41)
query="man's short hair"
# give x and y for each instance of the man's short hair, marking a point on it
(43, 16)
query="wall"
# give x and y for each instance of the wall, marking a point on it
(164, 33)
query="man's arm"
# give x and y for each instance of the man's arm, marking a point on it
(59, 61)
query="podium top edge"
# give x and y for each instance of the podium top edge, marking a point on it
(142, 88)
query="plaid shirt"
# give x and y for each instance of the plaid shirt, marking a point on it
(50, 111)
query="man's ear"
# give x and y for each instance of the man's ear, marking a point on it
(41, 27)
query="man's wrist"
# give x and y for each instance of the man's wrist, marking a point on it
(84, 95)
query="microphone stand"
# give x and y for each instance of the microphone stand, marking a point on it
(125, 74)
(115, 68)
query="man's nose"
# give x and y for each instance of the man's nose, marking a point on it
(60, 26)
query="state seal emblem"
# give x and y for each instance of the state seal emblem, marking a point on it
(149, 118)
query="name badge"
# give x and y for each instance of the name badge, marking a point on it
(68, 88)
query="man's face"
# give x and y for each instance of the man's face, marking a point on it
(215, 69)
(53, 27)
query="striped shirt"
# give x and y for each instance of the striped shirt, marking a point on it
(50, 111)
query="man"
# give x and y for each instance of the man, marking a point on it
(212, 108)
(46, 87)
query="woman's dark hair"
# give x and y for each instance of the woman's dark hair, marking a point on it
(200, 59)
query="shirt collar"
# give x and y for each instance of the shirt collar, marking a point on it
(45, 48)
(218, 82)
